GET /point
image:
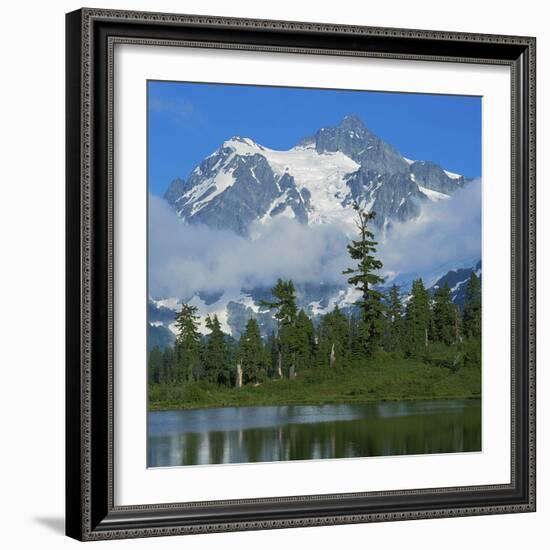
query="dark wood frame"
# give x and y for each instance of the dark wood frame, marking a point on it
(90, 510)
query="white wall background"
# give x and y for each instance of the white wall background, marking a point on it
(32, 272)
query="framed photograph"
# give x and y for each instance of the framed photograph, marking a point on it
(300, 274)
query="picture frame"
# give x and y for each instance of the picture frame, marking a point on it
(91, 509)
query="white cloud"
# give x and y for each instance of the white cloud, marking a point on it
(185, 259)
(447, 235)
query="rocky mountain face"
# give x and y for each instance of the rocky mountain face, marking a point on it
(355, 140)
(314, 182)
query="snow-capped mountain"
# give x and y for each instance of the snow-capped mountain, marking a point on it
(314, 182)
(244, 183)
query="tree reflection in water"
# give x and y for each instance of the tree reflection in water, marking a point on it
(266, 434)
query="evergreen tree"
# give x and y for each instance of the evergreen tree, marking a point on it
(364, 278)
(305, 341)
(168, 366)
(188, 343)
(417, 319)
(233, 350)
(356, 342)
(285, 301)
(472, 308)
(444, 316)
(334, 339)
(216, 353)
(252, 355)
(285, 304)
(272, 349)
(155, 365)
(395, 321)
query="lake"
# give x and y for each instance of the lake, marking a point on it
(303, 432)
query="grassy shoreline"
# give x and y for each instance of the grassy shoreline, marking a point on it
(159, 407)
(383, 378)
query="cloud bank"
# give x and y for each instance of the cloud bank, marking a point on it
(186, 259)
(447, 235)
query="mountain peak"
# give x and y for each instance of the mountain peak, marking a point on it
(351, 122)
(355, 140)
(313, 182)
(241, 144)
(351, 127)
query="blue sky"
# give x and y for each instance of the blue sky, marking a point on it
(188, 121)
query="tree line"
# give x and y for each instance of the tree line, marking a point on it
(421, 325)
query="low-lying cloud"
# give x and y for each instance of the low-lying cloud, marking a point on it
(447, 235)
(185, 259)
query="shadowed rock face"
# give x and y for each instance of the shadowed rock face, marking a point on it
(354, 139)
(243, 182)
(241, 204)
(392, 196)
(175, 190)
(255, 192)
(430, 175)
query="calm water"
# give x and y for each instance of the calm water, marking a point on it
(301, 432)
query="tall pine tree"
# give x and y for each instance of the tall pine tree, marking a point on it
(417, 319)
(334, 339)
(272, 348)
(364, 277)
(168, 366)
(472, 308)
(355, 332)
(252, 356)
(188, 342)
(287, 311)
(305, 341)
(472, 323)
(285, 301)
(216, 353)
(395, 322)
(444, 327)
(155, 365)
